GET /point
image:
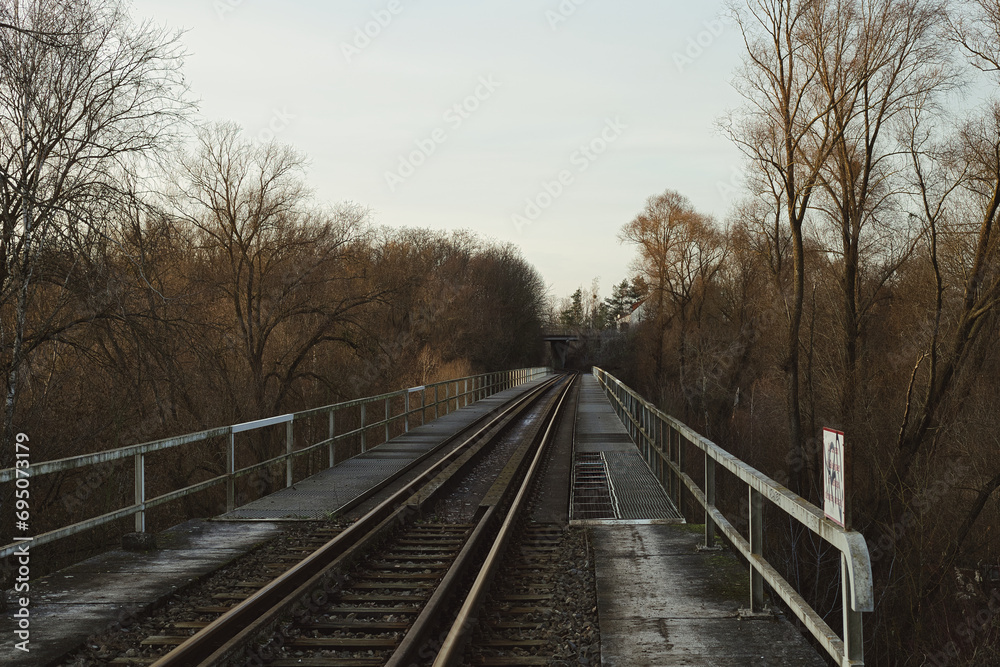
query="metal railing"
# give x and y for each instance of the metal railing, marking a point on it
(450, 393)
(659, 439)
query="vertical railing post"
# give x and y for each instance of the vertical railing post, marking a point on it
(645, 426)
(140, 492)
(642, 426)
(634, 421)
(709, 501)
(665, 470)
(647, 434)
(364, 441)
(436, 401)
(386, 420)
(423, 405)
(289, 443)
(667, 456)
(406, 412)
(679, 444)
(465, 391)
(330, 433)
(230, 469)
(854, 646)
(657, 451)
(756, 549)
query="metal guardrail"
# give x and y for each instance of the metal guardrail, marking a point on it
(466, 390)
(658, 437)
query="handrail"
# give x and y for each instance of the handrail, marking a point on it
(467, 390)
(649, 426)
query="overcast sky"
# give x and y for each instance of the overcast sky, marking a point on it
(542, 123)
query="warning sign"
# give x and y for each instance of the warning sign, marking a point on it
(833, 475)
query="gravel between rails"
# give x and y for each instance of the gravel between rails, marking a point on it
(459, 505)
(567, 622)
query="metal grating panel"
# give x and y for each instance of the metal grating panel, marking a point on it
(636, 490)
(630, 491)
(591, 489)
(322, 494)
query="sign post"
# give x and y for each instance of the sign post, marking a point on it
(835, 501)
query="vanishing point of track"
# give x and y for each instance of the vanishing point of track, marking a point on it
(393, 589)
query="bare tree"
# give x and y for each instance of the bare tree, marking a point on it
(875, 61)
(78, 114)
(292, 278)
(961, 210)
(680, 253)
(784, 133)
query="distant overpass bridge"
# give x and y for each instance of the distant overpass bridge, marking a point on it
(560, 341)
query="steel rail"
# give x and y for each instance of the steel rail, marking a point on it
(452, 650)
(496, 507)
(226, 636)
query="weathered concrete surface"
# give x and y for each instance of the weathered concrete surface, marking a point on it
(327, 492)
(662, 602)
(90, 597)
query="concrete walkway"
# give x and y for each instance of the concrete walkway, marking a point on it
(661, 603)
(633, 494)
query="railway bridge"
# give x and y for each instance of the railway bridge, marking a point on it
(517, 518)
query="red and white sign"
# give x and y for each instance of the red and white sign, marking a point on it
(833, 475)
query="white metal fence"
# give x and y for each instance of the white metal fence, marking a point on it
(439, 397)
(659, 439)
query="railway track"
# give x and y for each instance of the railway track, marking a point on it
(382, 591)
